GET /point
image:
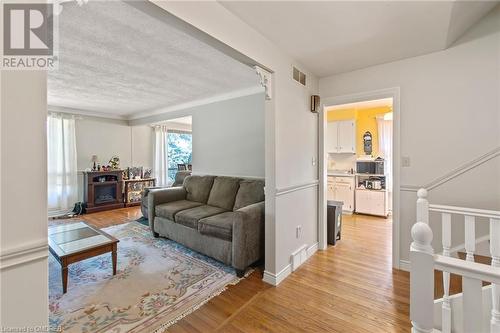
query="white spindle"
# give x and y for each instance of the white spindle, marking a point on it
(470, 237)
(422, 206)
(421, 279)
(495, 262)
(472, 288)
(472, 304)
(446, 305)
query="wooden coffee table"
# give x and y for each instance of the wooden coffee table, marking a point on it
(70, 243)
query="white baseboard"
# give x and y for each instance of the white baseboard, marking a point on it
(275, 279)
(479, 240)
(312, 250)
(404, 265)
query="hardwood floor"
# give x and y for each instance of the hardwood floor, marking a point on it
(348, 288)
(107, 218)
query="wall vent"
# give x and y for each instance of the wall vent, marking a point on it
(299, 76)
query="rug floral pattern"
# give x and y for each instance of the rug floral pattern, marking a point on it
(158, 281)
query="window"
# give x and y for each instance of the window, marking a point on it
(179, 151)
(62, 185)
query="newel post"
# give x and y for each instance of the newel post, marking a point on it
(421, 279)
(422, 206)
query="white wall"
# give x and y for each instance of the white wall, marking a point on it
(449, 116)
(291, 132)
(107, 138)
(23, 199)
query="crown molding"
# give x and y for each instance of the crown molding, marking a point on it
(199, 102)
(83, 112)
(148, 113)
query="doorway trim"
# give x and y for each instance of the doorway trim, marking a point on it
(393, 93)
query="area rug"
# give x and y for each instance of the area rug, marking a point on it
(157, 283)
(143, 220)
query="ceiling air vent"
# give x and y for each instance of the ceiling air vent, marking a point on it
(299, 76)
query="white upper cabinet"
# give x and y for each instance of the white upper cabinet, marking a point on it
(341, 137)
(332, 137)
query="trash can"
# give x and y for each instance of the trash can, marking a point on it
(334, 221)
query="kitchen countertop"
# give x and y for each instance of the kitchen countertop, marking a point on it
(338, 173)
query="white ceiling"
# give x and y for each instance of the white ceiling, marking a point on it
(330, 37)
(116, 61)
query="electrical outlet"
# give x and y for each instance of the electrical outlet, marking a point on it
(405, 161)
(298, 231)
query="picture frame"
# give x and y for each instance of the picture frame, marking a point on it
(135, 172)
(147, 172)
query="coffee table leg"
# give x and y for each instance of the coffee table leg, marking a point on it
(64, 271)
(113, 256)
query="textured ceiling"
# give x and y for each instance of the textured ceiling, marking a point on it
(330, 37)
(117, 61)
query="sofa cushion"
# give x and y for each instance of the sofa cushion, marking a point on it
(190, 217)
(223, 192)
(250, 192)
(198, 187)
(219, 226)
(169, 209)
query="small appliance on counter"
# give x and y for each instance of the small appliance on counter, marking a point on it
(371, 167)
(373, 183)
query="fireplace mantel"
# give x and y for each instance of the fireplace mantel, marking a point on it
(102, 190)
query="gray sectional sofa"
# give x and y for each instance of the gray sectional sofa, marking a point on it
(221, 217)
(179, 180)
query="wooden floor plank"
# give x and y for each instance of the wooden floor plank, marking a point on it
(348, 288)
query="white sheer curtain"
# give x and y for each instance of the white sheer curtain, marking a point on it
(161, 156)
(385, 147)
(62, 182)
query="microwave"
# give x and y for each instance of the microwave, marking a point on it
(375, 167)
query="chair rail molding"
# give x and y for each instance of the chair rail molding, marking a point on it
(24, 254)
(296, 187)
(454, 173)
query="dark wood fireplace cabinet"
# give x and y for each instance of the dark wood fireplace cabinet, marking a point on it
(103, 190)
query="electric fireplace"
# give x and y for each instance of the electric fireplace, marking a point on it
(103, 190)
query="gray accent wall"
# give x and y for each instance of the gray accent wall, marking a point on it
(228, 135)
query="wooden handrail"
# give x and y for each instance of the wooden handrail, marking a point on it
(491, 214)
(468, 269)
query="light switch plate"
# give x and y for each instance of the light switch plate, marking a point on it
(405, 161)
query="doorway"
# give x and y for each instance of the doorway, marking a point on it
(359, 150)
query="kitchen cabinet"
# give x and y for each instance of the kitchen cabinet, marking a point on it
(341, 137)
(372, 202)
(332, 131)
(342, 189)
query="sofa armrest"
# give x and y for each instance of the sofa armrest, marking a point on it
(159, 196)
(146, 190)
(248, 235)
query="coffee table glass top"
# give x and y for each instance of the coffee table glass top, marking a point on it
(75, 237)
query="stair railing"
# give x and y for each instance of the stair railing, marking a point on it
(424, 262)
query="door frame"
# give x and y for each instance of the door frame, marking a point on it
(393, 93)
